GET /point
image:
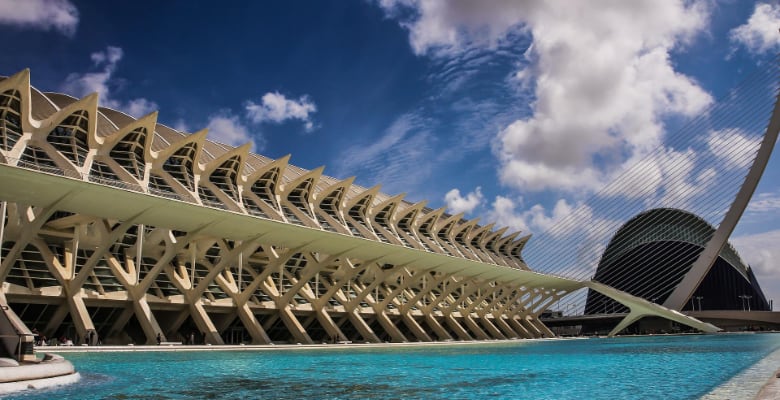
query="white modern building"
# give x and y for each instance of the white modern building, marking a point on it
(119, 229)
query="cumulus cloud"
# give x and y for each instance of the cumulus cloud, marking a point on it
(106, 84)
(60, 15)
(680, 183)
(760, 33)
(761, 252)
(664, 178)
(536, 219)
(459, 204)
(227, 128)
(138, 107)
(601, 74)
(598, 91)
(734, 148)
(277, 108)
(451, 26)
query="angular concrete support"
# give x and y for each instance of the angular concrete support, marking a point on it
(532, 329)
(628, 320)
(542, 328)
(429, 283)
(494, 332)
(709, 255)
(362, 327)
(225, 320)
(270, 321)
(172, 326)
(148, 323)
(508, 331)
(524, 333)
(390, 327)
(80, 315)
(252, 325)
(474, 328)
(459, 330)
(33, 221)
(294, 326)
(416, 329)
(330, 327)
(204, 324)
(441, 333)
(647, 308)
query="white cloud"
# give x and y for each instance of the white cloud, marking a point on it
(602, 73)
(679, 186)
(104, 83)
(111, 56)
(60, 15)
(505, 210)
(181, 126)
(275, 107)
(762, 253)
(760, 33)
(90, 82)
(598, 92)
(664, 178)
(458, 204)
(764, 202)
(451, 26)
(536, 219)
(138, 107)
(227, 128)
(640, 180)
(537, 176)
(734, 148)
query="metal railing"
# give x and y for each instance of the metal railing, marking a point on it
(23, 347)
(74, 174)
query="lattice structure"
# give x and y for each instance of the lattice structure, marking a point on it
(130, 229)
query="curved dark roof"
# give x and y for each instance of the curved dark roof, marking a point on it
(651, 253)
(667, 224)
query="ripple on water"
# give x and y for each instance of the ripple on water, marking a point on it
(749, 382)
(665, 367)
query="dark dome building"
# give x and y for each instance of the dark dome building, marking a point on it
(650, 254)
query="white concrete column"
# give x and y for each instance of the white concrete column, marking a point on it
(390, 327)
(437, 328)
(459, 330)
(362, 327)
(329, 325)
(416, 329)
(204, 323)
(294, 326)
(252, 325)
(145, 317)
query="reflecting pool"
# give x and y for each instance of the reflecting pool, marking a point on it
(654, 367)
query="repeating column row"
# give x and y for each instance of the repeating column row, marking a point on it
(58, 134)
(171, 282)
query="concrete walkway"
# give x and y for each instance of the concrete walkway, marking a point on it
(271, 347)
(770, 390)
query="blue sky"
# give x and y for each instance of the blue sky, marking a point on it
(470, 105)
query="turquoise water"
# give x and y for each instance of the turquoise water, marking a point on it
(659, 367)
